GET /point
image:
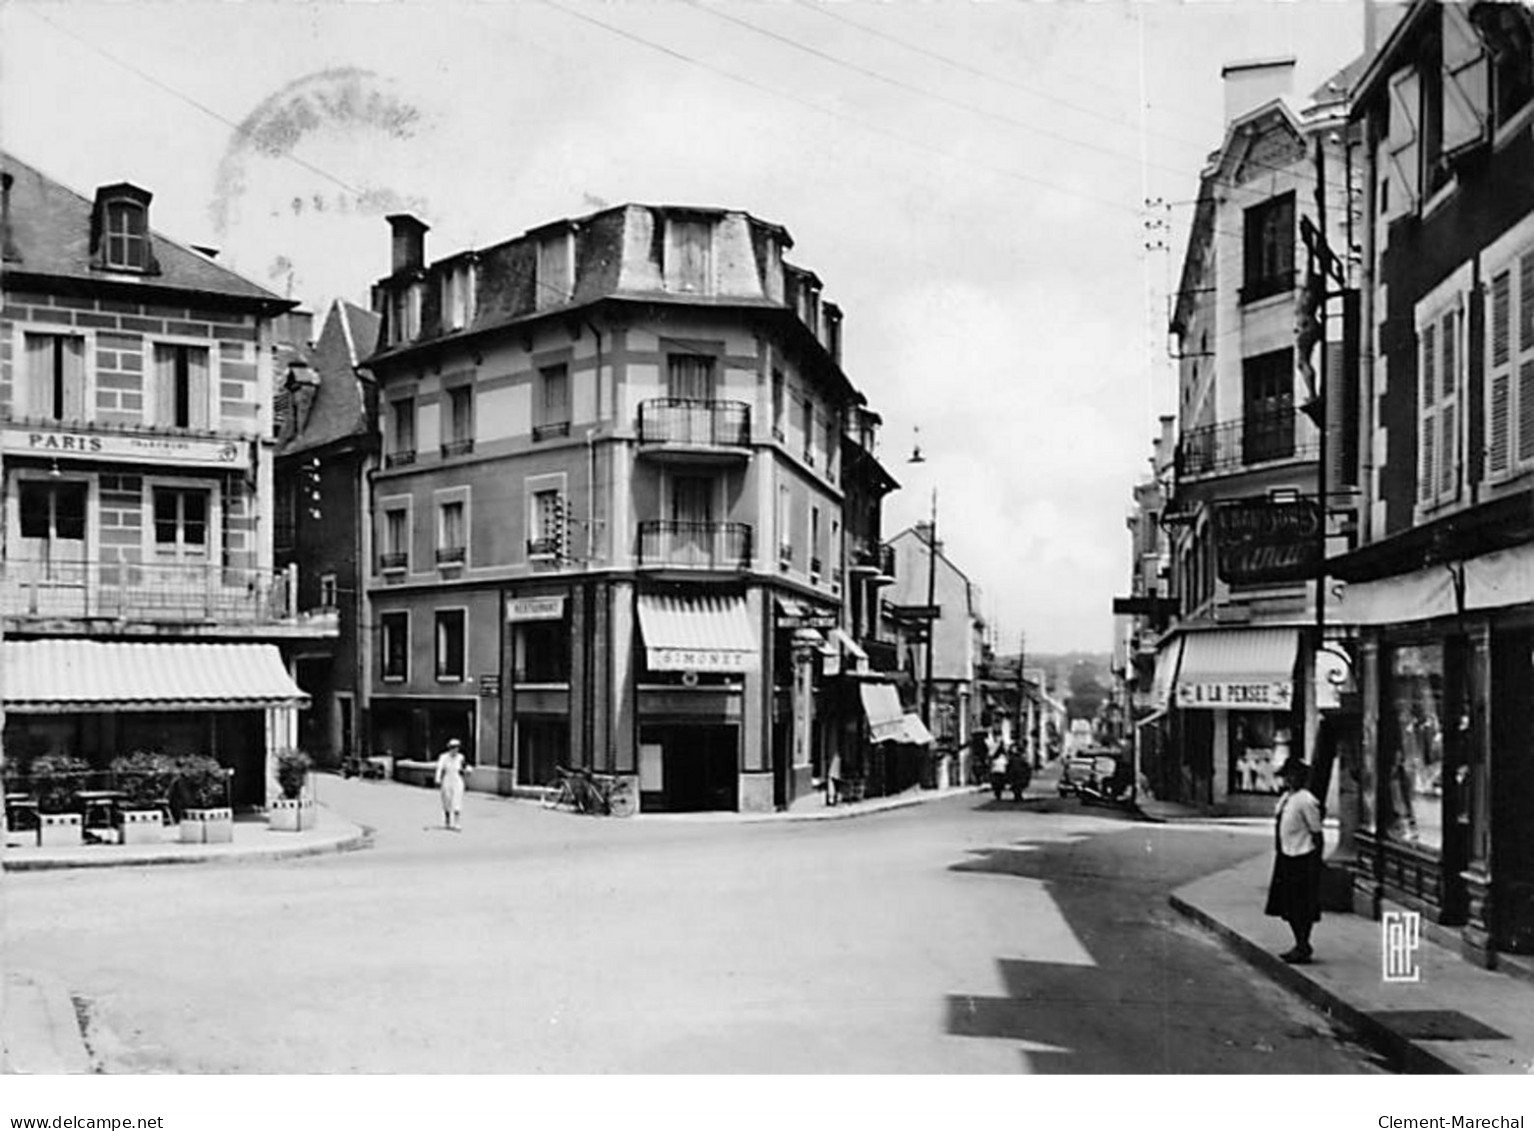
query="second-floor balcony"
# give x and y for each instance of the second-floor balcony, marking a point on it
(1255, 440)
(695, 430)
(164, 593)
(877, 563)
(695, 545)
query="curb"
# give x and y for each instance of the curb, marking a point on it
(847, 812)
(1407, 1055)
(361, 837)
(41, 1031)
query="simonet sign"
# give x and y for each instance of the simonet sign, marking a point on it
(1261, 541)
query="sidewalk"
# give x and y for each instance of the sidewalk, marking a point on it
(814, 808)
(252, 841)
(1458, 1018)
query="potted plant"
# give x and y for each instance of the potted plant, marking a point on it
(57, 778)
(144, 777)
(203, 786)
(292, 812)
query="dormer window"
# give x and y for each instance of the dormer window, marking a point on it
(690, 267)
(458, 296)
(120, 230)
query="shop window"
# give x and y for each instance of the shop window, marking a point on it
(1412, 745)
(1259, 744)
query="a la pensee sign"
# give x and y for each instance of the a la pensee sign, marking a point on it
(1257, 696)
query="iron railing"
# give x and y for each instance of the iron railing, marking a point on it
(173, 592)
(695, 423)
(695, 545)
(402, 458)
(455, 448)
(1238, 444)
(396, 559)
(877, 560)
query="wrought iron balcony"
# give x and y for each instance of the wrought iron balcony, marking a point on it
(455, 448)
(550, 431)
(695, 545)
(675, 422)
(877, 562)
(402, 458)
(397, 559)
(1264, 438)
(159, 592)
(451, 555)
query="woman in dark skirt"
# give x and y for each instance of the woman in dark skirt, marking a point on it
(1295, 893)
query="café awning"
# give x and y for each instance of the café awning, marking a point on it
(698, 634)
(882, 706)
(62, 676)
(914, 731)
(1238, 669)
(1167, 659)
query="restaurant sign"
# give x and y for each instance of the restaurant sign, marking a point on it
(535, 608)
(1236, 695)
(129, 447)
(1262, 541)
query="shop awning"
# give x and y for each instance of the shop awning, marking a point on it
(1167, 659)
(698, 634)
(848, 645)
(61, 676)
(1238, 669)
(882, 706)
(914, 731)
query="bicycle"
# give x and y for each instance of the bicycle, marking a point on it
(583, 791)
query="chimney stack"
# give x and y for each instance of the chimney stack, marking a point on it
(1250, 85)
(409, 244)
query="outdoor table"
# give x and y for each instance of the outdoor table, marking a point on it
(99, 802)
(17, 804)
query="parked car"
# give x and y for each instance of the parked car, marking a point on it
(1086, 765)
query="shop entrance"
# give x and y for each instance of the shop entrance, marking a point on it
(1512, 795)
(689, 768)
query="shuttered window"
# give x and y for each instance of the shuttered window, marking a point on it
(1441, 377)
(1401, 147)
(1466, 82)
(182, 393)
(1448, 407)
(1526, 359)
(1427, 434)
(56, 385)
(1500, 377)
(1510, 366)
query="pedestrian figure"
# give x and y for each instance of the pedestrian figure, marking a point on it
(999, 763)
(1019, 774)
(450, 782)
(1295, 893)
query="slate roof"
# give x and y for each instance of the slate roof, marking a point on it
(330, 403)
(51, 230)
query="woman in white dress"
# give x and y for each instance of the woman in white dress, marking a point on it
(450, 782)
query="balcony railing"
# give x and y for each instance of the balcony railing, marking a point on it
(878, 561)
(451, 555)
(401, 458)
(695, 545)
(395, 559)
(1218, 449)
(455, 448)
(550, 431)
(695, 423)
(163, 592)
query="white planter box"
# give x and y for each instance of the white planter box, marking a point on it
(59, 830)
(207, 826)
(291, 815)
(141, 826)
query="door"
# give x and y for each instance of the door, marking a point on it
(53, 564)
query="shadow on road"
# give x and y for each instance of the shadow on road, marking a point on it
(1156, 996)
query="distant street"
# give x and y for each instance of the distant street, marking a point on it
(960, 936)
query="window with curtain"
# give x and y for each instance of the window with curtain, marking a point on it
(450, 536)
(450, 644)
(554, 403)
(182, 393)
(56, 376)
(690, 377)
(395, 651)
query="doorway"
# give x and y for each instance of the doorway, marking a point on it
(699, 768)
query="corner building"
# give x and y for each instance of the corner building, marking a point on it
(607, 516)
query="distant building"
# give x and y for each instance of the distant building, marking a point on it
(141, 605)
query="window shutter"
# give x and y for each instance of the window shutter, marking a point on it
(1427, 434)
(1525, 398)
(164, 385)
(72, 358)
(1401, 151)
(1448, 410)
(1466, 83)
(1499, 377)
(198, 393)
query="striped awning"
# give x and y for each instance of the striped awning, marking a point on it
(1238, 669)
(1167, 659)
(698, 634)
(914, 731)
(882, 706)
(61, 676)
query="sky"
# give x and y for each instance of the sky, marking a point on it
(996, 193)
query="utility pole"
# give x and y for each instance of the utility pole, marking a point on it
(1024, 737)
(926, 694)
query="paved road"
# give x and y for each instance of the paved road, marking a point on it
(960, 936)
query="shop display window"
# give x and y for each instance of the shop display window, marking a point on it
(1259, 744)
(1412, 745)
